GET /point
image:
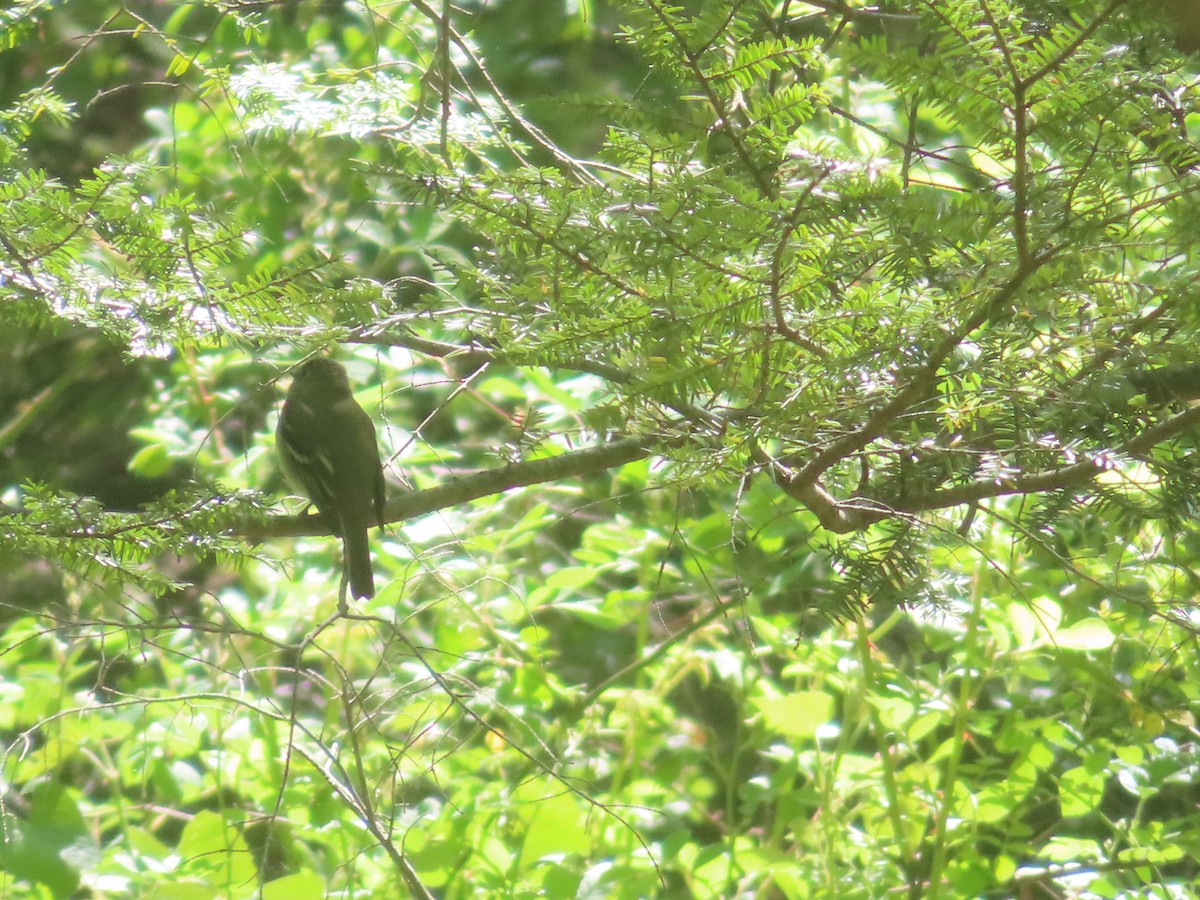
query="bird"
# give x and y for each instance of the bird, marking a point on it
(327, 450)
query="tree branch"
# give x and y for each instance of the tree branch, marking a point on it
(1055, 479)
(921, 381)
(856, 513)
(471, 487)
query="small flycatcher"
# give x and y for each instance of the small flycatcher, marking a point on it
(326, 445)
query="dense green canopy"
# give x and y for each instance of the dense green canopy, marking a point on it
(787, 415)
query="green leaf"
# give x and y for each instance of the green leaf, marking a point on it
(153, 461)
(1087, 634)
(799, 714)
(300, 886)
(555, 827)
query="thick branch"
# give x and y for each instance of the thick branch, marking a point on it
(838, 516)
(471, 487)
(920, 382)
(841, 516)
(1055, 479)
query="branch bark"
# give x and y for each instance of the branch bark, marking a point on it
(858, 512)
(471, 487)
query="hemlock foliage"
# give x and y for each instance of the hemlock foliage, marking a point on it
(787, 417)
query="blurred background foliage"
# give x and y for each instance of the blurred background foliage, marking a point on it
(902, 250)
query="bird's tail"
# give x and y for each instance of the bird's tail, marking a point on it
(357, 556)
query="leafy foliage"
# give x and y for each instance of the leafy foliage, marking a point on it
(848, 349)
